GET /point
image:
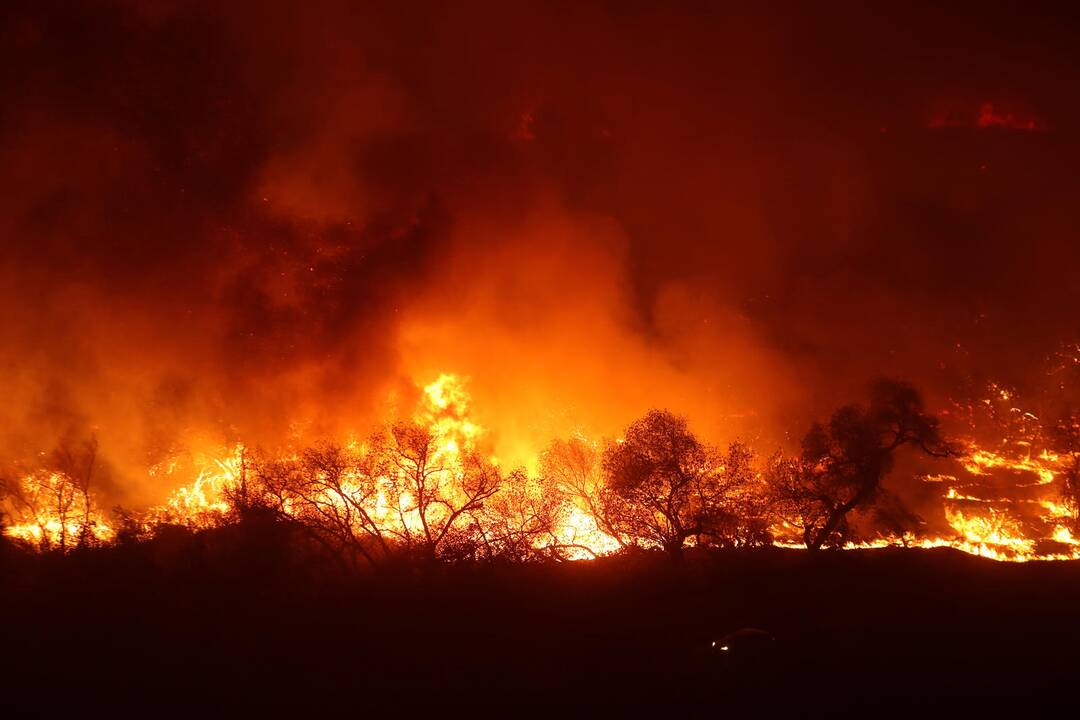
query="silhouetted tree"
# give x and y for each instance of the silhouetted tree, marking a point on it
(842, 464)
(891, 517)
(56, 500)
(129, 525)
(331, 492)
(77, 464)
(47, 501)
(573, 468)
(666, 485)
(519, 521)
(740, 514)
(433, 497)
(245, 498)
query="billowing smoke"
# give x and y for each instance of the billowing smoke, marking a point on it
(256, 220)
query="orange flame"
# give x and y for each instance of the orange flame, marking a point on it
(55, 514)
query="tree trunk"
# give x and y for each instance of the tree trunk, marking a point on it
(835, 518)
(674, 549)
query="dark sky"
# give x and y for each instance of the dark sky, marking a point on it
(255, 219)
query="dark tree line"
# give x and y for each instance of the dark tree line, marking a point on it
(659, 486)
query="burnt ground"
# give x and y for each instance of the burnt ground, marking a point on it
(241, 621)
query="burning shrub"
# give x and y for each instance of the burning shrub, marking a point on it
(54, 507)
(521, 520)
(330, 491)
(667, 487)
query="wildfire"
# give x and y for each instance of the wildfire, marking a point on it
(990, 529)
(204, 502)
(995, 526)
(583, 539)
(1044, 466)
(443, 412)
(442, 475)
(54, 511)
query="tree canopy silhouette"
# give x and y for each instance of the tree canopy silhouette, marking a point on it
(843, 463)
(666, 486)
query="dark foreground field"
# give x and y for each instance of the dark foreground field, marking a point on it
(235, 621)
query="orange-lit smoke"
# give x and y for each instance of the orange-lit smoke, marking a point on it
(262, 224)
